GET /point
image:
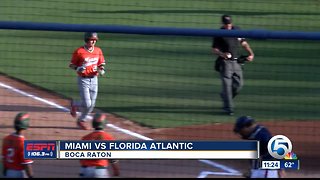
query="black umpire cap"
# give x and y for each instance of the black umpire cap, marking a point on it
(226, 19)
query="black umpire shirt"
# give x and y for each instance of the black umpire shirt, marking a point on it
(228, 44)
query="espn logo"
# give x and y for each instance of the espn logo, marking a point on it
(41, 146)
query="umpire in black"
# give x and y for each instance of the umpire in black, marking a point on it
(228, 51)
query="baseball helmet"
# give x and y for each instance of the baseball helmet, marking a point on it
(226, 19)
(21, 121)
(90, 35)
(99, 121)
(243, 121)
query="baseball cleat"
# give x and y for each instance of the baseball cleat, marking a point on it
(82, 125)
(228, 111)
(73, 110)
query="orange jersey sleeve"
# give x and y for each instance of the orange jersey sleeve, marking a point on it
(101, 61)
(13, 152)
(100, 136)
(90, 60)
(76, 58)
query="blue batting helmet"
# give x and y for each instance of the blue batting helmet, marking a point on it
(90, 35)
(243, 121)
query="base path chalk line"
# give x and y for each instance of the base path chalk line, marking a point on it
(228, 171)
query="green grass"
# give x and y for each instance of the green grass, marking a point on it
(167, 81)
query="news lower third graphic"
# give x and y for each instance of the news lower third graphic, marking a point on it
(280, 148)
(141, 149)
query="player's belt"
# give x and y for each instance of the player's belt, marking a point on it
(233, 59)
(97, 167)
(87, 77)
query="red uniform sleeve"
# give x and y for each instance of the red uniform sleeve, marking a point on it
(75, 58)
(21, 154)
(101, 60)
(108, 137)
(3, 151)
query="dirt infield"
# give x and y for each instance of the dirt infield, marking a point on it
(54, 123)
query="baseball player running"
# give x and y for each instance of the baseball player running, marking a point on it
(247, 128)
(98, 168)
(88, 61)
(14, 164)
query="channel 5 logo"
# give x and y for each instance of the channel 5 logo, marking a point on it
(279, 146)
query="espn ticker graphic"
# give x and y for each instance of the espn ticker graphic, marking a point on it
(40, 149)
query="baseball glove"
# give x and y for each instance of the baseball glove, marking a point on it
(112, 161)
(218, 63)
(242, 59)
(115, 167)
